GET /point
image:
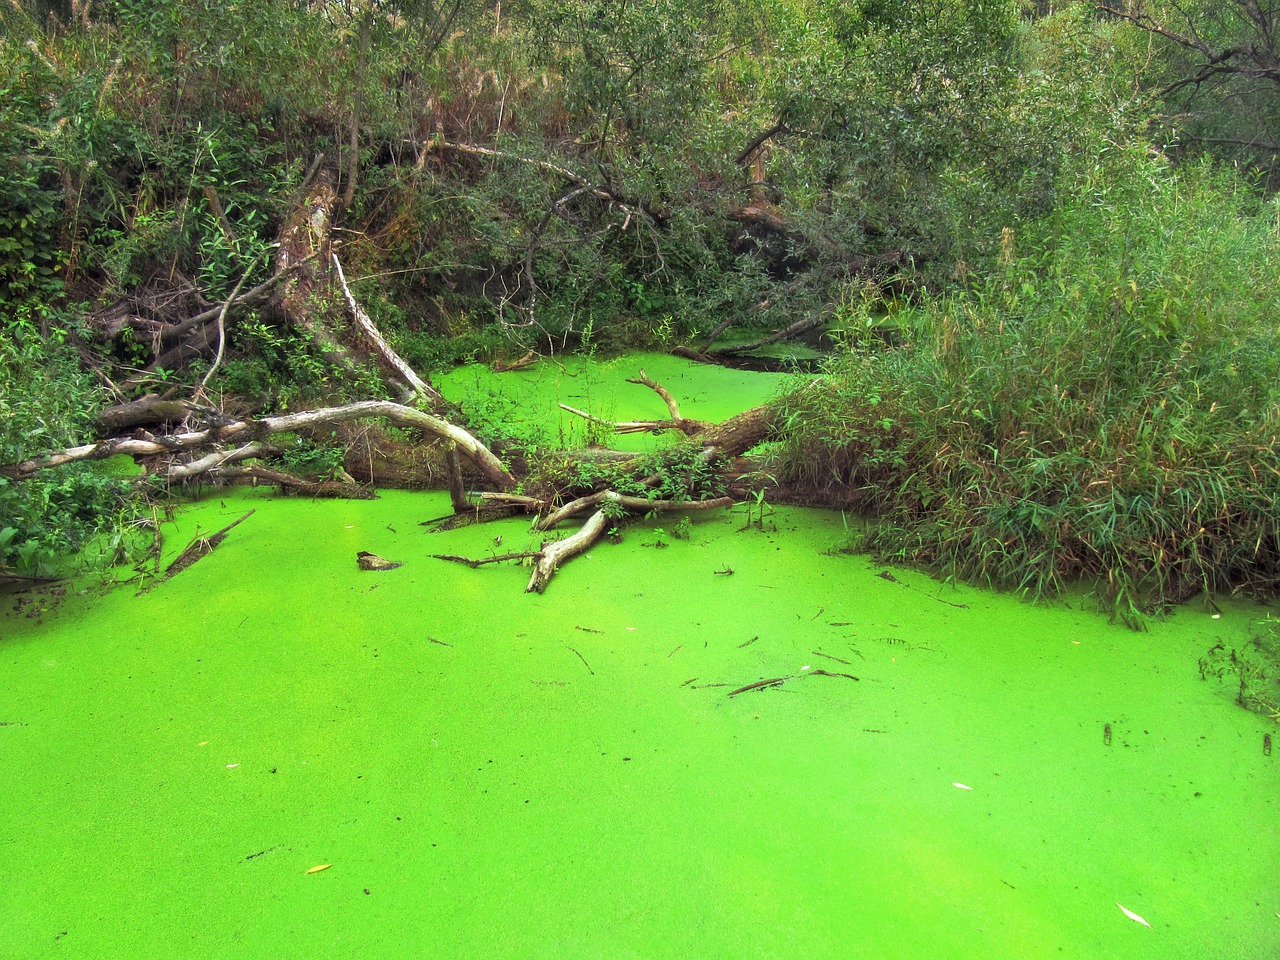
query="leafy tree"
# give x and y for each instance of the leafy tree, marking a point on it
(1217, 71)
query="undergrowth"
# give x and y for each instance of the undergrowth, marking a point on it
(1104, 407)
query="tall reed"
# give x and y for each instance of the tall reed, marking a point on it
(1104, 404)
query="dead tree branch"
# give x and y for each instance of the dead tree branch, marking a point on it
(1255, 56)
(677, 422)
(552, 555)
(230, 429)
(384, 350)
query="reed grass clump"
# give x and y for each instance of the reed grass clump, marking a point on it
(1104, 405)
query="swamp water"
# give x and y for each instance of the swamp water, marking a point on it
(494, 774)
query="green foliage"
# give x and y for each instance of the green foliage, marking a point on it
(1103, 407)
(756, 509)
(632, 70)
(45, 400)
(277, 368)
(1209, 66)
(29, 207)
(309, 458)
(679, 472)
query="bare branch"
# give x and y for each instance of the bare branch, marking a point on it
(638, 504)
(186, 471)
(389, 356)
(1256, 61)
(644, 381)
(396, 413)
(552, 555)
(759, 140)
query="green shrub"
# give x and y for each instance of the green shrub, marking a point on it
(45, 403)
(1103, 407)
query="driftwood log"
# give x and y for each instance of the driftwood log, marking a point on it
(195, 441)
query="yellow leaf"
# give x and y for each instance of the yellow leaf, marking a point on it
(323, 866)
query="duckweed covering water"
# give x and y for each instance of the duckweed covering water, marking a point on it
(530, 399)
(494, 774)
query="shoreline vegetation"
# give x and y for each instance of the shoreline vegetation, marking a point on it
(1038, 250)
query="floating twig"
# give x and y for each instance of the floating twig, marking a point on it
(886, 575)
(819, 653)
(760, 685)
(828, 673)
(583, 659)
(473, 564)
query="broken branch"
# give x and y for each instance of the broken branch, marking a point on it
(228, 429)
(384, 350)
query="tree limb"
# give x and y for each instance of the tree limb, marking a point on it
(552, 555)
(759, 140)
(212, 461)
(489, 465)
(638, 504)
(389, 356)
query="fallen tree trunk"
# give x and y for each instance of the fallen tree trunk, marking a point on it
(561, 551)
(705, 464)
(231, 429)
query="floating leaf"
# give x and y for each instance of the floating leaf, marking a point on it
(961, 786)
(1132, 916)
(326, 866)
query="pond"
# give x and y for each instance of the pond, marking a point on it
(933, 772)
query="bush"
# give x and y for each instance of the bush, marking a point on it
(44, 401)
(1105, 406)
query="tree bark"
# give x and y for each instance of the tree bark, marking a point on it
(230, 429)
(552, 555)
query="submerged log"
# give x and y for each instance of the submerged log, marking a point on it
(197, 549)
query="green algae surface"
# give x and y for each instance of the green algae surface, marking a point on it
(530, 399)
(487, 773)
